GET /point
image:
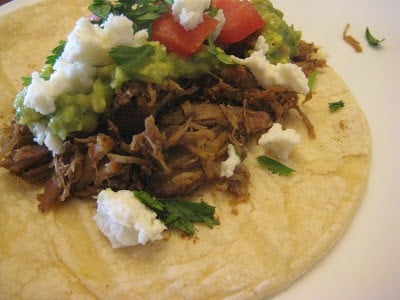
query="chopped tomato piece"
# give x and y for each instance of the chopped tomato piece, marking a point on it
(241, 20)
(170, 33)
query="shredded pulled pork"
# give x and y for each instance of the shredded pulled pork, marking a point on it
(168, 139)
(351, 40)
(308, 59)
(23, 157)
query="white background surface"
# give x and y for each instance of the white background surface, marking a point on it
(365, 264)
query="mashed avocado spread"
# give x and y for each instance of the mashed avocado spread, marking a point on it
(282, 39)
(81, 111)
(73, 113)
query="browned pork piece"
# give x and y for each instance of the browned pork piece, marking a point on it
(23, 157)
(307, 58)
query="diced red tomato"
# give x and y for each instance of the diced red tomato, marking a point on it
(170, 33)
(241, 20)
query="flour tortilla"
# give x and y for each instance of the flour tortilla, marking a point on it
(261, 246)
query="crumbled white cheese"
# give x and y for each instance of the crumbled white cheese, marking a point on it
(39, 129)
(85, 44)
(74, 77)
(287, 75)
(67, 77)
(40, 95)
(125, 221)
(220, 17)
(281, 142)
(53, 143)
(228, 166)
(43, 135)
(90, 44)
(261, 44)
(189, 13)
(118, 30)
(140, 38)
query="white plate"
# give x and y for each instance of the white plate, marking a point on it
(365, 264)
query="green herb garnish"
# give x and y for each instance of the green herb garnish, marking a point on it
(334, 106)
(274, 166)
(141, 12)
(177, 214)
(219, 53)
(56, 53)
(100, 8)
(131, 59)
(371, 39)
(212, 12)
(26, 80)
(311, 80)
(146, 12)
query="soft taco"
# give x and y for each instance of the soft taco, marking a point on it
(267, 227)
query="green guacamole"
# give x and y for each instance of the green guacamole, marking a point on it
(160, 65)
(82, 112)
(282, 39)
(79, 112)
(74, 112)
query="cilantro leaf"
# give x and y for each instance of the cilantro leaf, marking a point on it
(274, 166)
(311, 80)
(193, 211)
(334, 106)
(146, 12)
(371, 39)
(179, 215)
(131, 59)
(56, 53)
(26, 80)
(141, 12)
(100, 8)
(212, 11)
(45, 74)
(219, 53)
(149, 201)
